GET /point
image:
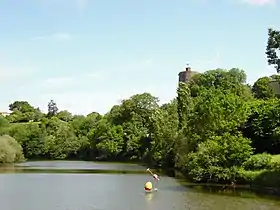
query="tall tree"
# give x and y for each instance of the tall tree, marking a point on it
(273, 48)
(184, 104)
(52, 108)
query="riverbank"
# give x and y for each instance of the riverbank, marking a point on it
(264, 181)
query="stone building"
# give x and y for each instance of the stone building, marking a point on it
(185, 76)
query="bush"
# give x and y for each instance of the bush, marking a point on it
(246, 177)
(258, 162)
(10, 150)
(218, 158)
(262, 178)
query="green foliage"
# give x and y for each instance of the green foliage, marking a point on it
(273, 48)
(263, 125)
(262, 178)
(4, 125)
(185, 104)
(64, 115)
(231, 81)
(22, 111)
(262, 90)
(216, 112)
(111, 142)
(258, 162)
(31, 137)
(52, 108)
(10, 150)
(61, 140)
(218, 158)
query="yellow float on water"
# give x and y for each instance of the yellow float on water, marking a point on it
(148, 186)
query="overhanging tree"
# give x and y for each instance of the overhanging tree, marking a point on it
(273, 48)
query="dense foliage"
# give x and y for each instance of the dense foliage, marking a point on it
(10, 150)
(217, 129)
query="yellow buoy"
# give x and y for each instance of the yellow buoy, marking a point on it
(148, 186)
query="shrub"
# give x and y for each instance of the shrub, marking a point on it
(246, 177)
(10, 150)
(258, 162)
(218, 158)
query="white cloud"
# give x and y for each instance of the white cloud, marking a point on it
(137, 66)
(11, 72)
(82, 4)
(61, 36)
(71, 80)
(79, 4)
(57, 82)
(56, 36)
(260, 2)
(64, 84)
(97, 75)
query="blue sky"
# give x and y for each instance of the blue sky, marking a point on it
(87, 55)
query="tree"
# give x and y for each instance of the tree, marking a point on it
(21, 106)
(22, 111)
(261, 88)
(184, 104)
(52, 109)
(10, 150)
(165, 125)
(64, 115)
(218, 158)
(262, 125)
(61, 140)
(228, 81)
(273, 48)
(4, 124)
(111, 143)
(216, 112)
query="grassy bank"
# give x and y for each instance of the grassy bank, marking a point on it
(267, 177)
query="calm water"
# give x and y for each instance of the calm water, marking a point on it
(92, 186)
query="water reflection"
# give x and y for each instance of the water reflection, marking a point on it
(8, 168)
(237, 191)
(149, 196)
(72, 167)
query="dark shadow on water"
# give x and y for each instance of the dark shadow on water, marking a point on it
(68, 171)
(267, 178)
(236, 191)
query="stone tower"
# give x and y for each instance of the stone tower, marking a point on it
(185, 76)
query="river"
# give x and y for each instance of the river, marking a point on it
(71, 185)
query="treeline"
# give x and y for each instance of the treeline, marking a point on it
(218, 129)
